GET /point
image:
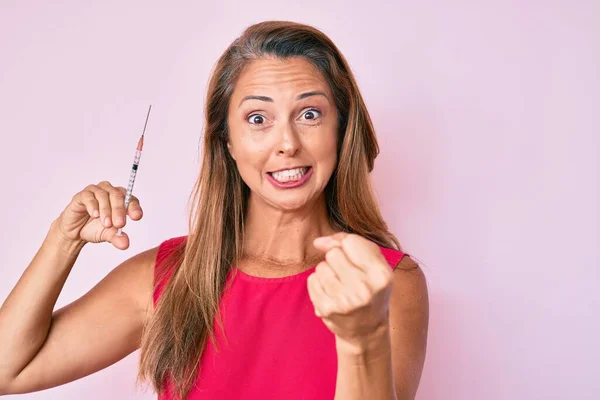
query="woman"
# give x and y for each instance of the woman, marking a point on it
(288, 285)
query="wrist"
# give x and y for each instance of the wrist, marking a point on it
(56, 239)
(374, 345)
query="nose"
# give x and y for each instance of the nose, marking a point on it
(289, 142)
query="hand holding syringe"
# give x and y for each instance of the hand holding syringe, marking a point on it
(134, 168)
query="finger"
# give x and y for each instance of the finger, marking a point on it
(318, 297)
(326, 243)
(338, 293)
(345, 270)
(329, 281)
(88, 200)
(313, 294)
(339, 236)
(120, 242)
(117, 203)
(367, 256)
(104, 205)
(362, 252)
(134, 209)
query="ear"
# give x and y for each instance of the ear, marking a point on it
(230, 149)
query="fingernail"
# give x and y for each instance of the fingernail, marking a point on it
(107, 222)
(119, 220)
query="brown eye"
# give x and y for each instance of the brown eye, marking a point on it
(256, 119)
(312, 114)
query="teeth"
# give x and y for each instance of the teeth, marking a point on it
(289, 174)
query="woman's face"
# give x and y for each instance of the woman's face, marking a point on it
(283, 130)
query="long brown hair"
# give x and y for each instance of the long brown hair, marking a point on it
(175, 338)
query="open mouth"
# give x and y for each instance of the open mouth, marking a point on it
(290, 175)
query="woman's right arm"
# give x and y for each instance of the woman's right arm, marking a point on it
(40, 348)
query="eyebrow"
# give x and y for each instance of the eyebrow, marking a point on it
(299, 97)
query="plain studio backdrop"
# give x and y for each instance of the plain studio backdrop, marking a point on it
(487, 118)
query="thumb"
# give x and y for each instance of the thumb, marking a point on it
(120, 242)
(326, 243)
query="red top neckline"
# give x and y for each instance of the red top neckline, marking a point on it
(247, 277)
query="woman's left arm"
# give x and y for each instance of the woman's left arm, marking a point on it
(379, 318)
(409, 323)
(390, 363)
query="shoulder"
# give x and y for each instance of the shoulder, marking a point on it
(171, 243)
(409, 280)
(410, 295)
(165, 259)
(140, 271)
(397, 258)
(149, 259)
(168, 246)
(408, 275)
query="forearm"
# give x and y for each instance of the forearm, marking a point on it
(26, 314)
(365, 370)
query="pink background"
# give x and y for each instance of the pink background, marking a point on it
(487, 116)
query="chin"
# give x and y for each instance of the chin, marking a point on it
(291, 204)
(290, 201)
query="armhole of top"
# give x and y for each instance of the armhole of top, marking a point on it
(162, 272)
(393, 256)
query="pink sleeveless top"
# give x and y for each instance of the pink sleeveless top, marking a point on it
(277, 347)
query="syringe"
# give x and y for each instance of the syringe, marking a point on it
(134, 168)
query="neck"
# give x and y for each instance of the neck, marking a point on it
(282, 238)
